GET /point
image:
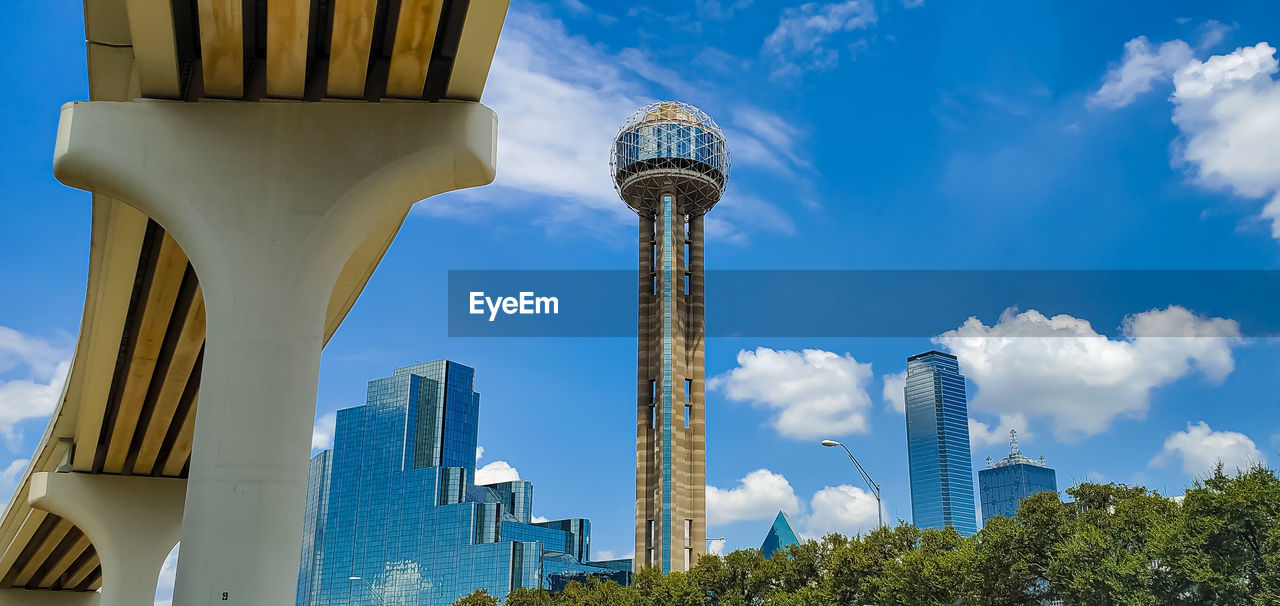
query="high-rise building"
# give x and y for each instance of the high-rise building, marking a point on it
(670, 164)
(938, 444)
(781, 536)
(1004, 483)
(393, 515)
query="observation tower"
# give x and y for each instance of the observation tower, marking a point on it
(670, 164)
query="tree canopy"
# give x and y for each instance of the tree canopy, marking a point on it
(1106, 545)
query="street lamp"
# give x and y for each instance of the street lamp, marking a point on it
(875, 488)
(375, 592)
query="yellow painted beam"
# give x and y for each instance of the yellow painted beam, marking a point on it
(155, 48)
(476, 46)
(181, 451)
(411, 52)
(56, 534)
(14, 549)
(222, 47)
(60, 566)
(349, 47)
(77, 575)
(181, 365)
(288, 25)
(120, 236)
(171, 264)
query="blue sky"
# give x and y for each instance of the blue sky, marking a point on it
(866, 135)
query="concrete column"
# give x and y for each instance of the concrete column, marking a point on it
(269, 201)
(133, 523)
(35, 597)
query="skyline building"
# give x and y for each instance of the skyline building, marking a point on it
(938, 444)
(1004, 483)
(393, 515)
(781, 535)
(670, 164)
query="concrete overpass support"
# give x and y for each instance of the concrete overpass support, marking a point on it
(133, 523)
(32, 597)
(270, 201)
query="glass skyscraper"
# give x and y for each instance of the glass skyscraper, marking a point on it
(1004, 483)
(938, 444)
(393, 515)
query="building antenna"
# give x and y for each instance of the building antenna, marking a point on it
(1013, 442)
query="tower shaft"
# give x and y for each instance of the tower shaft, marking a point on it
(670, 383)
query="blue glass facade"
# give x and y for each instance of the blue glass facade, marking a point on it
(665, 141)
(938, 444)
(781, 536)
(394, 518)
(1004, 483)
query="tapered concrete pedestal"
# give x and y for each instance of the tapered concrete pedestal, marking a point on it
(133, 523)
(270, 201)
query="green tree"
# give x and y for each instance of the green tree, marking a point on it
(479, 597)
(1232, 522)
(524, 596)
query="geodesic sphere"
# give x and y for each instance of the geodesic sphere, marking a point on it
(670, 148)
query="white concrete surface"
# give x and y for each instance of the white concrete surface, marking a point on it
(27, 597)
(132, 521)
(269, 201)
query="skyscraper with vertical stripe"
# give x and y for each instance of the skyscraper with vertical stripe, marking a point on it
(670, 164)
(938, 444)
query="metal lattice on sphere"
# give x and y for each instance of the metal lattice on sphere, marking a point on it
(670, 147)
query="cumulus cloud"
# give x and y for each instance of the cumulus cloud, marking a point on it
(35, 370)
(894, 391)
(497, 471)
(1059, 368)
(762, 494)
(1141, 67)
(1226, 108)
(553, 146)
(983, 434)
(168, 574)
(1228, 111)
(10, 475)
(322, 431)
(798, 44)
(1200, 449)
(539, 519)
(816, 393)
(844, 509)
(759, 495)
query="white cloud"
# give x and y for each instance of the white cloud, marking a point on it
(168, 573)
(11, 474)
(716, 546)
(894, 392)
(759, 495)
(36, 369)
(605, 554)
(913, 3)
(479, 452)
(1228, 111)
(982, 434)
(816, 393)
(844, 509)
(322, 431)
(18, 350)
(553, 146)
(798, 43)
(1061, 369)
(1201, 449)
(539, 519)
(497, 471)
(1141, 66)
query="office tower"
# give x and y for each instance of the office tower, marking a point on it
(670, 165)
(394, 517)
(938, 444)
(781, 535)
(1004, 483)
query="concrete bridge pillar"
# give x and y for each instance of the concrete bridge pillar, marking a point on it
(270, 201)
(133, 523)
